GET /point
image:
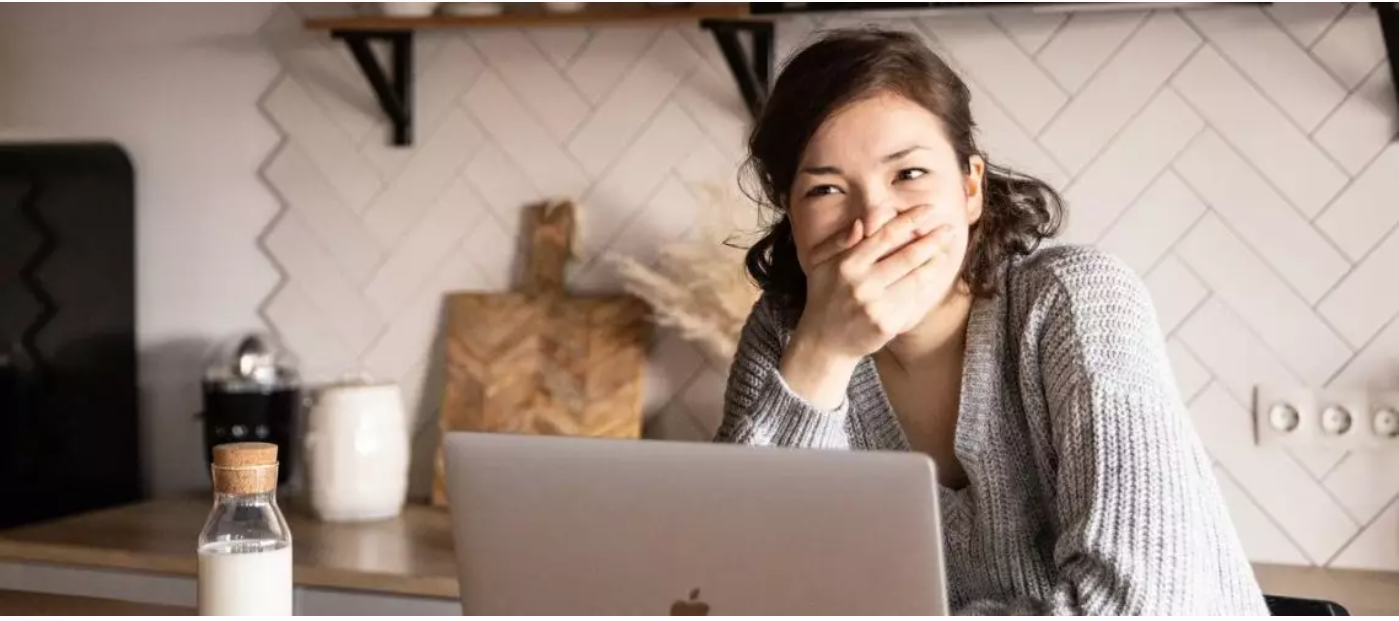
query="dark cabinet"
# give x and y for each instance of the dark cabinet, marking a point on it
(69, 427)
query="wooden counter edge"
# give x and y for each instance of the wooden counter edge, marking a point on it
(1361, 591)
(29, 603)
(303, 576)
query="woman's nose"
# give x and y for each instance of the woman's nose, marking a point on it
(876, 210)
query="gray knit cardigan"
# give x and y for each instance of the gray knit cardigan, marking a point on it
(1089, 491)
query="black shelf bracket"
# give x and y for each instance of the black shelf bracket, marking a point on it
(393, 88)
(1388, 14)
(752, 69)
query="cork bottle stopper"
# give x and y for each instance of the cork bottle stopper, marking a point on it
(240, 454)
(245, 468)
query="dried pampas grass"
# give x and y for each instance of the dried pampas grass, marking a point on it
(699, 287)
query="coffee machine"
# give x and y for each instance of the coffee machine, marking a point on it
(252, 393)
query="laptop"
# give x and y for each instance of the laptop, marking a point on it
(553, 525)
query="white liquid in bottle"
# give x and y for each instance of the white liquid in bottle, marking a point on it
(245, 552)
(245, 584)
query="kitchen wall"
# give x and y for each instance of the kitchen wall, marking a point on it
(1236, 157)
(177, 85)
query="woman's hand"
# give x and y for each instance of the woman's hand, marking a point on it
(861, 292)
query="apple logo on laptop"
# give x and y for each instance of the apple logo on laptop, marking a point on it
(692, 608)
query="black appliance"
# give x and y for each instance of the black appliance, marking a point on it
(252, 393)
(69, 422)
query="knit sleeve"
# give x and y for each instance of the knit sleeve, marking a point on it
(1139, 523)
(760, 408)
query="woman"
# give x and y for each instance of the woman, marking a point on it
(906, 306)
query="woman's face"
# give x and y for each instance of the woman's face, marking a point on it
(875, 159)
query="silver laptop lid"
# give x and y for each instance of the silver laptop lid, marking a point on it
(555, 525)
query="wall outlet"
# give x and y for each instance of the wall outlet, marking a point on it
(1346, 419)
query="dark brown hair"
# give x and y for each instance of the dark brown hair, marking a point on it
(846, 66)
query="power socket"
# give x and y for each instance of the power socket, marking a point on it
(1346, 419)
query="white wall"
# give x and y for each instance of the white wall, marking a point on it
(1240, 159)
(177, 85)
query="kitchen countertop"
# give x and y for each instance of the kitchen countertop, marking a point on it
(22, 603)
(409, 555)
(412, 554)
(1368, 593)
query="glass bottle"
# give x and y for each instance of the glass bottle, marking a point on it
(245, 563)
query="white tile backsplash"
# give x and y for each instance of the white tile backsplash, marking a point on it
(1362, 215)
(670, 366)
(1262, 539)
(1007, 144)
(609, 53)
(1120, 90)
(627, 108)
(1363, 125)
(297, 181)
(431, 240)
(428, 173)
(662, 145)
(496, 251)
(1265, 220)
(1260, 131)
(1128, 165)
(1286, 73)
(501, 185)
(527, 72)
(676, 424)
(1084, 43)
(1306, 21)
(1319, 460)
(1239, 159)
(1376, 366)
(320, 352)
(1191, 376)
(1365, 483)
(339, 302)
(979, 47)
(559, 44)
(1368, 298)
(704, 399)
(708, 97)
(1154, 222)
(1353, 45)
(1175, 292)
(550, 168)
(1030, 30)
(1285, 321)
(333, 151)
(1235, 357)
(1374, 549)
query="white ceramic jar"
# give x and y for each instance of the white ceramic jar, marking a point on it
(357, 449)
(408, 9)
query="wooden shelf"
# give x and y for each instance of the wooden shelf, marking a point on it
(533, 15)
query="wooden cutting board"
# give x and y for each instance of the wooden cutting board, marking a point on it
(542, 361)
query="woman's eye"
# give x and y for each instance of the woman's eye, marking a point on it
(909, 174)
(822, 190)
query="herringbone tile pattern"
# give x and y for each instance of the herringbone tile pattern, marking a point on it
(1241, 159)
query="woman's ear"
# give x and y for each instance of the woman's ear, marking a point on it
(975, 187)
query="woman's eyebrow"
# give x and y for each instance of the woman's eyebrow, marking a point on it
(821, 170)
(903, 153)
